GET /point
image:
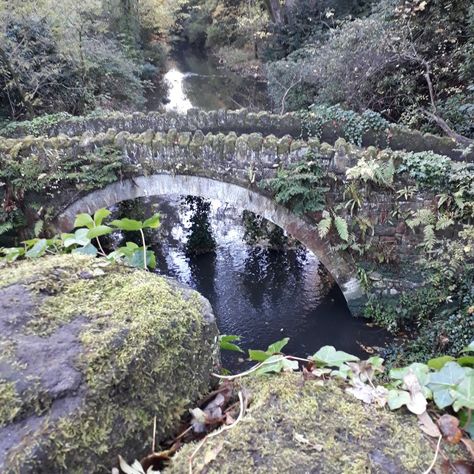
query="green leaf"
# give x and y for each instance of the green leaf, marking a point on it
(328, 356)
(420, 370)
(100, 215)
(80, 238)
(98, 231)
(11, 254)
(153, 222)
(89, 249)
(397, 398)
(258, 356)
(38, 249)
(441, 382)
(439, 362)
(341, 227)
(277, 363)
(226, 343)
(136, 260)
(84, 220)
(466, 361)
(469, 348)
(277, 346)
(376, 362)
(127, 224)
(463, 393)
(464, 418)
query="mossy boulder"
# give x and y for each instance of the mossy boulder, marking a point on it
(295, 427)
(91, 352)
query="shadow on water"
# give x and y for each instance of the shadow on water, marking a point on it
(259, 294)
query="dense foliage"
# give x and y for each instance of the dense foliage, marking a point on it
(103, 53)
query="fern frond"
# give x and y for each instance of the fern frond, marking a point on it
(342, 228)
(324, 226)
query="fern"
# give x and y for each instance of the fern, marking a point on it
(342, 228)
(376, 171)
(38, 228)
(422, 217)
(444, 222)
(324, 226)
(299, 186)
(5, 227)
(429, 237)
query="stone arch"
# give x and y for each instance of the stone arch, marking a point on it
(166, 184)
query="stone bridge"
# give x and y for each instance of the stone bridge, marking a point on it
(81, 165)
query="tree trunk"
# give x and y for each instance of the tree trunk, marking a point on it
(275, 10)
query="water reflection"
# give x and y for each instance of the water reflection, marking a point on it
(198, 81)
(178, 101)
(259, 294)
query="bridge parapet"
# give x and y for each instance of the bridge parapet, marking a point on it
(246, 122)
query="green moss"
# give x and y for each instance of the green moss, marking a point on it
(10, 402)
(147, 350)
(342, 434)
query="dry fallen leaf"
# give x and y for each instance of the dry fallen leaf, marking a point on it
(428, 426)
(367, 393)
(449, 427)
(417, 403)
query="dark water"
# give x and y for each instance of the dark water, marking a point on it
(259, 294)
(195, 80)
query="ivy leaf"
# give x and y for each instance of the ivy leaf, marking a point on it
(463, 393)
(467, 421)
(277, 363)
(100, 215)
(98, 231)
(127, 224)
(328, 356)
(153, 222)
(441, 382)
(397, 398)
(84, 220)
(420, 370)
(38, 249)
(226, 343)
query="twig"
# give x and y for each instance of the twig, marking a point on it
(435, 457)
(154, 435)
(218, 432)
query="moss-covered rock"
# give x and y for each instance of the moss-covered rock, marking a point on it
(90, 352)
(298, 428)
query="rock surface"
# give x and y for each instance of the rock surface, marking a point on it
(301, 429)
(90, 352)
